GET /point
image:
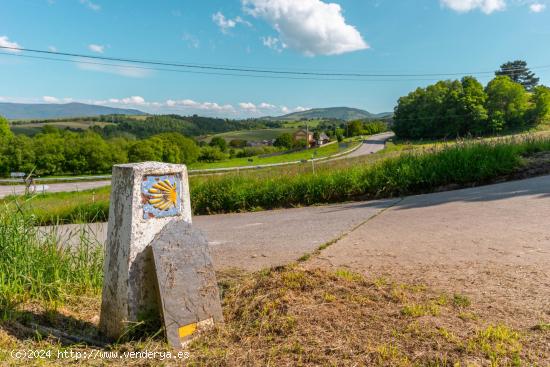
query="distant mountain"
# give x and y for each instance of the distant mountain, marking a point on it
(340, 113)
(23, 111)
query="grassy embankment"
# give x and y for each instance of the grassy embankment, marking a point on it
(403, 173)
(285, 316)
(322, 152)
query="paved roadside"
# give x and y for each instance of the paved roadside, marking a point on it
(59, 187)
(491, 243)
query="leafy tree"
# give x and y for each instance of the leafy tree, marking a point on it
(285, 140)
(145, 150)
(219, 142)
(507, 103)
(519, 73)
(212, 154)
(541, 102)
(355, 128)
(5, 132)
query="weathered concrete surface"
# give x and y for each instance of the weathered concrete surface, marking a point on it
(128, 289)
(186, 281)
(253, 241)
(491, 243)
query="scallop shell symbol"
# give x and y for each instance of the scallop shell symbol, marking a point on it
(163, 195)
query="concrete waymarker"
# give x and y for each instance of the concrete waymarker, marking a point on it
(187, 283)
(146, 199)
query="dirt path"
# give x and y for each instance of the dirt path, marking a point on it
(490, 243)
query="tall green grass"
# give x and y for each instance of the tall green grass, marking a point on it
(410, 173)
(403, 173)
(34, 266)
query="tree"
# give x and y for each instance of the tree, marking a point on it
(541, 105)
(5, 132)
(507, 103)
(354, 128)
(285, 140)
(219, 142)
(212, 154)
(519, 73)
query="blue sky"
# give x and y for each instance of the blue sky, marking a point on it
(367, 36)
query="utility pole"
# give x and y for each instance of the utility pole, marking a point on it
(307, 135)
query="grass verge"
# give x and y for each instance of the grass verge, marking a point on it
(293, 316)
(456, 165)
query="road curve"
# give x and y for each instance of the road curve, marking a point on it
(371, 145)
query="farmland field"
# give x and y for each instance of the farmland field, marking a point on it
(34, 128)
(252, 135)
(301, 124)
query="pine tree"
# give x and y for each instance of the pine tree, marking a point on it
(519, 73)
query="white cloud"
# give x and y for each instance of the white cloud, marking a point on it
(226, 24)
(273, 43)
(312, 27)
(5, 42)
(52, 48)
(91, 5)
(486, 6)
(135, 100)
(285, 109)
(247, 106)
(266, 106)
(300, 109)
(537, 7)
(50, 99)
(96, 48)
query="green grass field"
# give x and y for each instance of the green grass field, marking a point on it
(302, 124)
(32, 129)
(251, 135)
(322, 152)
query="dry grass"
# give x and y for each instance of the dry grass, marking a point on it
(295, 317)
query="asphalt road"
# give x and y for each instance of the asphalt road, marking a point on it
(372, 145)
(253, 241)
(59, 187)
(505, 223)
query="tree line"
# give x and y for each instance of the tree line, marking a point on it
(512, 101)
(56, 152)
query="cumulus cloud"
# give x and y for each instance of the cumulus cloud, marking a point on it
(464, 6)
(248, 106)
(311, 27)
(96, 48)
(5, 42)
(50, 99)
(537, 7)
(266, 106)
(226, 24)
(91, 5)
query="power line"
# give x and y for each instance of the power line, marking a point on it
(209, 72)
(248, 70)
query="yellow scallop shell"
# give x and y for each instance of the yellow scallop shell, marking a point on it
(163, 195)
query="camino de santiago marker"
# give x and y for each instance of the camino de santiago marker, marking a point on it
(156, 263)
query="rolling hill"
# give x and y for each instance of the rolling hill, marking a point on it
(25, 111)
(340, 113)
